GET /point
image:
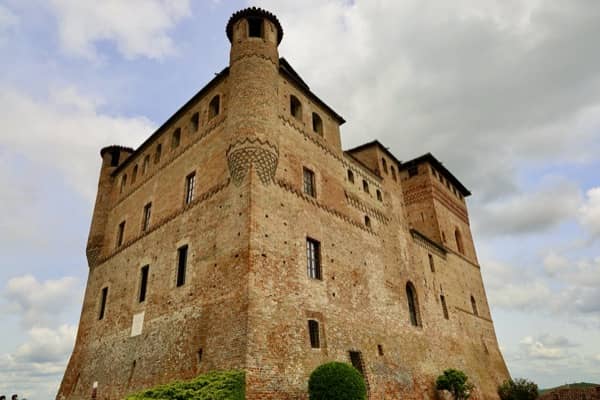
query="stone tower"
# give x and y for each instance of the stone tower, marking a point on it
(241, 235)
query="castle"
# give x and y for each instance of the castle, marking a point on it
(241, 235)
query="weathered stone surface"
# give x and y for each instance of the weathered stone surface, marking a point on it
(247, 296)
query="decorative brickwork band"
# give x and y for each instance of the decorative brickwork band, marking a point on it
(263, 156)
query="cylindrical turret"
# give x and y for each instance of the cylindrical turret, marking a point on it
(253, 78)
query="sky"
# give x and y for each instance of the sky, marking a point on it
(505, 93)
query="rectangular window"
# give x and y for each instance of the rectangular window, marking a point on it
(313, 332)
(195, 122)
(120, 234)
(190, 182)
(103, 299)
(176, 139)
(365, 186)
(146, 217)
(145, 165)
(309, 182)
(144, 283)
(181, 264)
(313, 258)
(444, 307)
(431, 265)
(356, 360)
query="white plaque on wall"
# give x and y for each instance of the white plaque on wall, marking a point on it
(138, 324)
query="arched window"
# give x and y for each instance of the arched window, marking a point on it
(145, 164)
(459, 242)
(413, 304)
(367, 221)
(474, 305)
(317, 124)
(351, 176)
(295, 107)
(176, 139)
(157, 154)
(384, 165)
(214, 107)
(134, 174)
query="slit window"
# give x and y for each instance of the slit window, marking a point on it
(413, 304)
(145, 164)
(351, 176)
(123, 183)
(317, 124)
(182, 253)
(309, 182)
(134, 174)
(384, 165)
(431, 264)
(255, 27)
(195, 122)
(176, 139)
(313, 258)
(103, 298)
(295, 107)
(356, 360)
(379, 197)
(365, 186)
(459, 242)
(144, 283)
(367, 221)
(158, 153)
(190, 182)
(393, 173)
(120, 234)
(313, 332)
(146, 217)
(214, 107)
(474, 306)
(444, 306)
(380, 349)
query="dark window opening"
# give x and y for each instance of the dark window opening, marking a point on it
(474, 305)
(384, 165)
(123, 183)
(255, 27)
(367, 221)
(295, 107)
(351, 176)
(412, 171)
(379, 197)
(195, 122)
(313, 332)
(413, 305)
(393, 173)
(120, 234)
(146, 217)
(190, 182)
(459, 242)
(431, 264)
(444, 307)
(200, 355)
(103, 299)
(317, 124)
(181, 264)
(380, 349)
(157, 154)
(365, 186)
(114, 158)
(309, 182)
(145, 165)
(313, 258)
(134, 174)
(357, 362)
(176, 138)
(144, 283)
(214, 107)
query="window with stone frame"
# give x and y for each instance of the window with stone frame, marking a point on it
(158, 153)
(190, 183)
(444, 306)
(214, 107)
(295, 107)
(313, 258)
(365, 185)
(103, 299)
(145, 164)
(134, 174)
(413, 305)
(182, 254)
(308, 177)
(313, 333)
(317, 124)
(146, 217)
(384, 165)
(120, 234)
(195, 122)
(143, 283)
(176, 138)
(379, 196)
(350, 176)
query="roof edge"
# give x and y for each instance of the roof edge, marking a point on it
(428, 157)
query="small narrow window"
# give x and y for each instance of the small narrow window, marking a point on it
(313, 258)
(114, 158)
(431, 265)
(146, 217)
(379, 197)
(158, 153)
(393, 173)
(365, 186)
(309, 182)
(255, 27)
(413, 305)
(384, 165)
(351, 176)
(367, 221)
(444, 307)
(459, 242)
(313, 332)
(176, 139)
(144, 283)
(317, 124)
(214, 107)
(134, 174)
(145, 164)
(103, 298)
(413, 171)
(181, 264)
(295, 107)
(357, 362)
(200, 355)
(380, 349)
(123, 183)
(190, 182)
(120, 234)
(474, 305)
(195, 122)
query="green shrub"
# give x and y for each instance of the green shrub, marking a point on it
(336, 380)
(217, 385)
(456, 382)
(519, 389)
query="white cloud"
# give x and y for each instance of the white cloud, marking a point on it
(8, 21)
(589, 213)
(47, 345)
(536, 348)
(137, 27)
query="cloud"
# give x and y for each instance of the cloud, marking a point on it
(137, 27)
(47, 345)
(8, 21)
(545, 347)
(39, 303)
(589, 212)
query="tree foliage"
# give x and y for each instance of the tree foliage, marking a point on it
(455, 382)
(518, 389)
(217, 385)
(336, 381)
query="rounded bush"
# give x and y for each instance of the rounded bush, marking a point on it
(336, 380)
